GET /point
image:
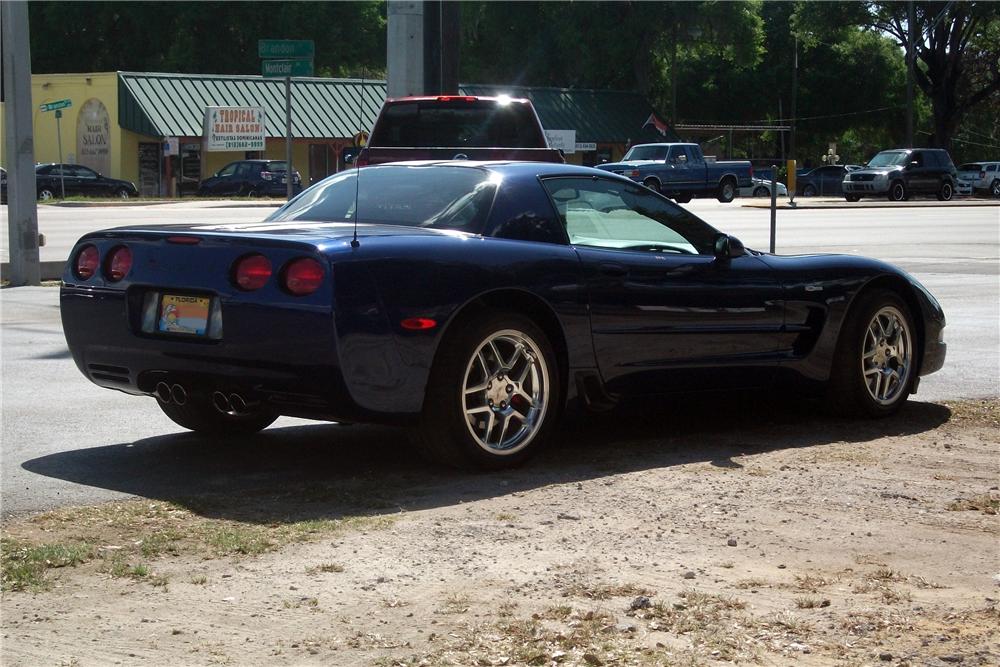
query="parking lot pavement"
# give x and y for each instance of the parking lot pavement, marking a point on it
(48, 406)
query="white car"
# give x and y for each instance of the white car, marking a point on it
(975, 177)
(762, 188)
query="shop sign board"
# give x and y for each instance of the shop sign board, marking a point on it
(234, 129)
(282, 68)
(286, 48)
(564, 140)
(171, 146)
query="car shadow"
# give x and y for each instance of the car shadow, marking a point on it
(327, 471)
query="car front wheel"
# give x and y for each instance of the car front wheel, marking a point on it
(852, 197)
(492, 396)
(45, 194)
(809, 191)
(875, 363)
(122, 193)
(897, 191)
(761, 191)
(946, 192)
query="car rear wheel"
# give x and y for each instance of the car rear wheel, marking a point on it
(761, 191)
(875, 363)
(809, 191)
(682, 199)
(652, 184)
(727, 190)
(852, 197)
(200, 415)
(897, 191)
(45, 194)
(492, 396)
(995, 187)
(946, 192)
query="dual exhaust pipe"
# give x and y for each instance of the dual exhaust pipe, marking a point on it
(230, 404)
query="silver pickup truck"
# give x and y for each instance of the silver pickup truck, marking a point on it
(681, 171)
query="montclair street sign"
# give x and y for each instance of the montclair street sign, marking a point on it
(285, 58)
(280, 68)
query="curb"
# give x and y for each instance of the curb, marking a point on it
(873, 204)
(48, 270)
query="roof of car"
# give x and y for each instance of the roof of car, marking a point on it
(451, 98)
(511, 167)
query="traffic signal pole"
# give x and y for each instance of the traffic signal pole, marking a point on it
(22, 212)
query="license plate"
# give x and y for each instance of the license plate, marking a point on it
(184, 314)
(284, 181)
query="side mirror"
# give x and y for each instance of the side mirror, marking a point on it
(727, 247)
(913, 163)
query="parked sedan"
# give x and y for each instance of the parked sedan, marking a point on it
(473, 301)
(762, 188)
(79, 181)
(251, 178)
(823, 181)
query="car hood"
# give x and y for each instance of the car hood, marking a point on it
(873, 170)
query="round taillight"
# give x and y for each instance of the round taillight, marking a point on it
(252, 272)
(303, 276)
(87, 261)
(119, 263)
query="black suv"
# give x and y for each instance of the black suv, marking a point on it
(251, 178)
(903, 172)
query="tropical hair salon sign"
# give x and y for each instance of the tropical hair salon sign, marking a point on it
(234, 129)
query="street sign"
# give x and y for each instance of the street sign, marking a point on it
(286, 48)
(282, 68)
(52, 106)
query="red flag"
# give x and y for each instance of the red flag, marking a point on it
(660, 126)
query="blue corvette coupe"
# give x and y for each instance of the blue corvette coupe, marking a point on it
(474, 301)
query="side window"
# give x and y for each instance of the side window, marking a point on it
(81, 172)
(243, 170)
(228, 170)
(674, 155)
(623, 216)
(917, 158)
(694, 154)
(524, 214)
(992, 167)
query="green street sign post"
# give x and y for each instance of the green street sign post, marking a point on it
(286, 48)
(282, 68)
(58, 106)
(287, 58)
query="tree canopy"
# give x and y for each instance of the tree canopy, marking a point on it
(705, 61)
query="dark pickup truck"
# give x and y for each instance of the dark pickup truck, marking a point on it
(457, 127)
(680, 171)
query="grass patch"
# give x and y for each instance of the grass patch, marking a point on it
(123, 534)
(325, 568)
(811, 583)
(607, 591)
(25, 565)
(987, 503)
(811, 603)
(745, 584)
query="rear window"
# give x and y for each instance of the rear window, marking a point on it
(440, 197)
(276, 166)
(458, 123)
(971, 166)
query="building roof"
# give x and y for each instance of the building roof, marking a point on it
(173, 105)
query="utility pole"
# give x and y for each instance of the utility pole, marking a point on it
(795, 89)
(911, 21)
(288, 137)
(22, 212)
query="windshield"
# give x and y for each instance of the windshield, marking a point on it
(647, 153)
(888, 159)
(426, 196)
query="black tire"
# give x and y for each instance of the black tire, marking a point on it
(995, 188)
(200, 415)
(727, 190)
(809, 190)
(122, 193)
(447, 435)
(852, 197)
(946, 192)
(897, 191)
(652, 184)
(46, 194)
(761, 191)
(848, 391)
(682, 199)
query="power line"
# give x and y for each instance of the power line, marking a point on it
(835, 115)
(974, 143)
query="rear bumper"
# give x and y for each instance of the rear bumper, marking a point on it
(285, 358)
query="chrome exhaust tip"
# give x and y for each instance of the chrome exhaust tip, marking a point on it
(162, 392)
(238, 404)
(221, 402)
(178, 394)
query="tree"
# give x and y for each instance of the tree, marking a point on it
(956, 45)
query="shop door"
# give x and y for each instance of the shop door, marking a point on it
(322, 162)
(190, 171)
(149, 169)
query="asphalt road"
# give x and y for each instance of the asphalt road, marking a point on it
(62, 437)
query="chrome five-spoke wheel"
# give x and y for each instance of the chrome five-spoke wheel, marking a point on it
(505, 392)
(887, 358)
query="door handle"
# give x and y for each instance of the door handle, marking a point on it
(615, 270)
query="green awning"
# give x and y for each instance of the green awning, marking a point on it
(173, 105)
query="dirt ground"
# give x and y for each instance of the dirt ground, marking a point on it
(744, 533)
